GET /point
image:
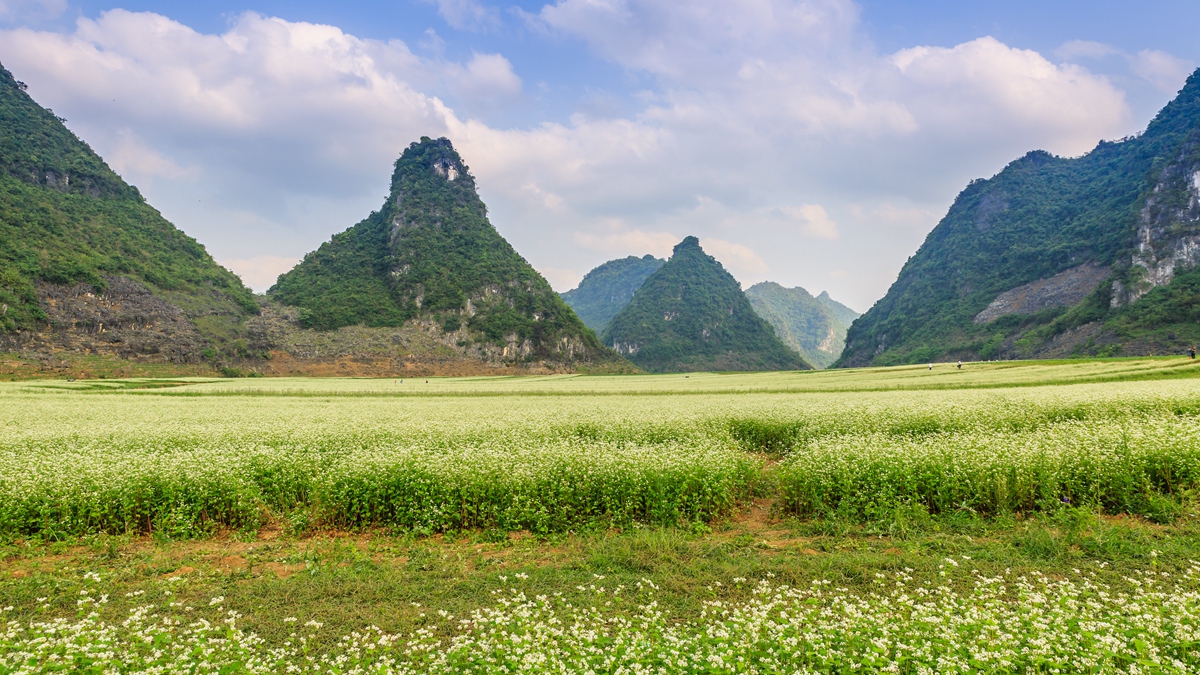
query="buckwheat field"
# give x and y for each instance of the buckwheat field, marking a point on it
(1007, 518)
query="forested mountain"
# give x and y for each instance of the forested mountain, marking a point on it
(692, 315)
(430, 254)
(842, 313)
(87, 266)
(1094, 255)
(608, 288)
(814, 327)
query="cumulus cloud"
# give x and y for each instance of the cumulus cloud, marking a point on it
(275, 121)
(485, 77)
(1166, 72)
(761, 125)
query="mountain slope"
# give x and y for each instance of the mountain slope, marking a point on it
(431, 255)
(692, 315)
(814, 327)
(1054, 257)
(86, 265)
(608, 288)
(842, 313)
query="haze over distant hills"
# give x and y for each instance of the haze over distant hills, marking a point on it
(608, 288)
(814, 327)
(1057, 257)
(691, 315)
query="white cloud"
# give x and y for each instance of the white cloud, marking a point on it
(1166, 72)
(139, 163)
(485, 77)
(260, 272)
(267, 138)
(986, 85)
(741, 261)
(813, 221)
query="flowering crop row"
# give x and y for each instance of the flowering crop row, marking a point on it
(1132, 466)
(552, 486)
(1148, 623)
(74, 462)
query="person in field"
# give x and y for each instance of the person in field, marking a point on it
(960, 364)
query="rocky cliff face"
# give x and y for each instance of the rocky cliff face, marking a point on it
(1053, 256)
(125, 320)
(1168, 228)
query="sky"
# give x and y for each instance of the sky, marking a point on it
(812, 143)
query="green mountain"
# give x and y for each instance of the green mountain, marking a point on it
(607, 289)
(692, 315)
(840, 312)
(431, 255)
(1051, 257)
(814, 327)
(86, 265)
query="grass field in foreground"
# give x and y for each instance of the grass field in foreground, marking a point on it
(953, 520)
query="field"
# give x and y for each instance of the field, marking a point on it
(1006, 517)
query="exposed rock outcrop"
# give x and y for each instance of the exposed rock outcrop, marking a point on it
(1168, 228)
(1064, 289)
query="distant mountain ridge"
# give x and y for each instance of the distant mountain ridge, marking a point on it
(1095, 255)
(606, 290)
(430, 255)
(691, 315)
(814, 327)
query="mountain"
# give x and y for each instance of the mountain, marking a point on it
(607, 289)
(692, 315)
(814, 327)
(430, 256)
(1052, 257)
(842, 313)
(87, 267)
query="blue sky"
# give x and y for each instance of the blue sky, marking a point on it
(812, 143)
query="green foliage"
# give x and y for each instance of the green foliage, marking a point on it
(814, 327)
(1039, 216)
(607, 289)
(691, 315)
(430, 252)
(66, 218)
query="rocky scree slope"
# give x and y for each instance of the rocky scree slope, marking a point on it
(1095, 255)
(608, 288)
(431, 257)
(87, 267)
(691, 315)
(814, 327)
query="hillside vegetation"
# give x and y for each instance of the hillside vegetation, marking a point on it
(1092, 252)
(814, 327)
(692, 315)
(431, 254)
(67, 219)
(608, 288)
